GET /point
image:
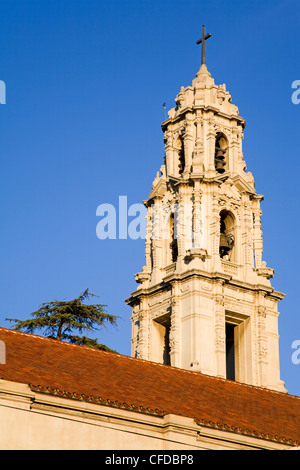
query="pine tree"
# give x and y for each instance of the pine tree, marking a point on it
(59, 319)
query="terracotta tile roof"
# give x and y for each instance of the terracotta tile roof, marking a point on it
(108, 378)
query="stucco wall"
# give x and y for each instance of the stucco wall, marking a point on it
(45, 422)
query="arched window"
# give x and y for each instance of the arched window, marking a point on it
(181, 156)
(221, 152)
(179, 145)
(174, 243)
(227, 236)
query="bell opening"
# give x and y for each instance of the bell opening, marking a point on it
(226, 235)
(221, 148)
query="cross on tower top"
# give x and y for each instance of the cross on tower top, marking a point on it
(203, 42)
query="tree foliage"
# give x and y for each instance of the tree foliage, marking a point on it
(60, 319)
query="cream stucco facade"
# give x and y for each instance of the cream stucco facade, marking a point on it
(37, 421)
(205, 278)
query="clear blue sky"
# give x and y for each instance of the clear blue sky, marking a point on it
(85, 81)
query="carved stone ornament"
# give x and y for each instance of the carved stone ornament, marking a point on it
(263, 350)
(141, 315)
(220, 300)
(262, 312)
(196, 253)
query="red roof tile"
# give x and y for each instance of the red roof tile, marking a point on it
(108, 378)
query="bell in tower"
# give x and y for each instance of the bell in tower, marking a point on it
(226, 238)
(173, 236)
(220, 153)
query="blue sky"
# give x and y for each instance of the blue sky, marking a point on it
(85, 83)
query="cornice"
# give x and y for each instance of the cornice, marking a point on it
(217, 276)
(205, 108)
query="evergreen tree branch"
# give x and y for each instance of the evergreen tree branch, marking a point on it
(58, 319)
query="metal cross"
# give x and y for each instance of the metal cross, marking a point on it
(203, 42)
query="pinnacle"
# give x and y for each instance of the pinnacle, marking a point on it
(203, 71)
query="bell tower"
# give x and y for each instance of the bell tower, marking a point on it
(205, 301)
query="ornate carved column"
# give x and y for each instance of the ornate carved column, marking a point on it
(169, 152)
(188, 143)
(156, 233)
(185, 231)
(198, 153)
(197, 216)
(175, 332)
(210, 145)
(148, 241)
(248, 255)
(261, 337)
(234, 147)
(142, 339)
(220, 348)
(257, 232)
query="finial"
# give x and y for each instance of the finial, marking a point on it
(203, 42)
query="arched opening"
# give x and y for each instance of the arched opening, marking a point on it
(221, 152)
(180, 152)
(227, 235)
(173, 236)
(181, 157)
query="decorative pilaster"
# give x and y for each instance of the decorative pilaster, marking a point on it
(210, 145)
(197, 216)
(175, 332)
(142, 343)
(257, 232)
(261, 266)
(169, 151)
(185, 204)
(198, 167)
(156, 234)
(234, 146)
(262, 343)
(188, 143)
(148, 241)
(220, 336)
(247, 258)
